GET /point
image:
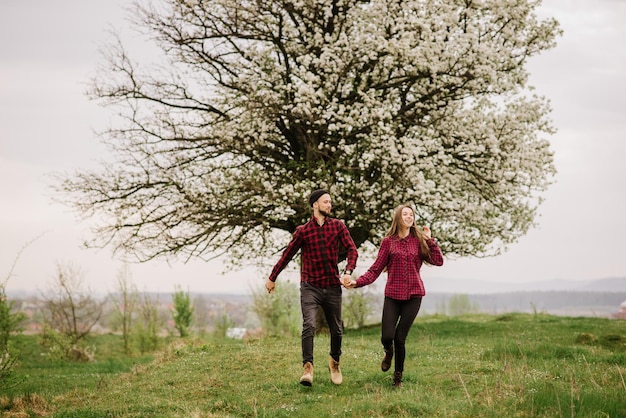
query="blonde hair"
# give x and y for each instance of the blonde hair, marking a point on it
(414, 231)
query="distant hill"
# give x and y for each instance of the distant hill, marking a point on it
(605, 285)
(601, 297)
(487, 287)
(598, 298)
(564, 303)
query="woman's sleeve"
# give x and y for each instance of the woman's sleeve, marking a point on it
(436, 257)
(379, 265)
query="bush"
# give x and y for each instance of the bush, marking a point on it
(63, 347)
(9, 325)
(586, 338)
(279, 312)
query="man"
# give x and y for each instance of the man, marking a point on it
(320, 285)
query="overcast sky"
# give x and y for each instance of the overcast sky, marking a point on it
(48, 50)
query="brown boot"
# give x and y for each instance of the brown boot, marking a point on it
(386, 363)
(397, 379)
(307, 376)
(335, 372)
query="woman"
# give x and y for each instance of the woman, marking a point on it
(401, 253)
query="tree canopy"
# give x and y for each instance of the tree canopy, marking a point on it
(261, 101)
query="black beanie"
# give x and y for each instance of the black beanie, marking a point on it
(316, 195)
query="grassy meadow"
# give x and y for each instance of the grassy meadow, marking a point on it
(514, 365)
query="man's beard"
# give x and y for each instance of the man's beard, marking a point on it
(324, 213)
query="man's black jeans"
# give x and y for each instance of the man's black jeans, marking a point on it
(311, 298)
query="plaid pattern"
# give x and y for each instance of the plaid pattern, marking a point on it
(320, 252)
(403, 261)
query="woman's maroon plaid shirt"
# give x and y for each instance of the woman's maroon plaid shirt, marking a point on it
(320, 252)
(403, 260)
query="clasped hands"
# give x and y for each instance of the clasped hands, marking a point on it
(347, 282)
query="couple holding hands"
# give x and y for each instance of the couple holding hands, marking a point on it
(402, 252)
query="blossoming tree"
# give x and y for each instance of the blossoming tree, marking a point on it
(380, 101)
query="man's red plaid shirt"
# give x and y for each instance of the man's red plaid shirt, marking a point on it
(320, 252)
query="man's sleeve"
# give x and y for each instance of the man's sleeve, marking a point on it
(290, 251)
(348, 243)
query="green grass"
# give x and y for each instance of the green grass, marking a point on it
(477, 366)
(41, 378)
